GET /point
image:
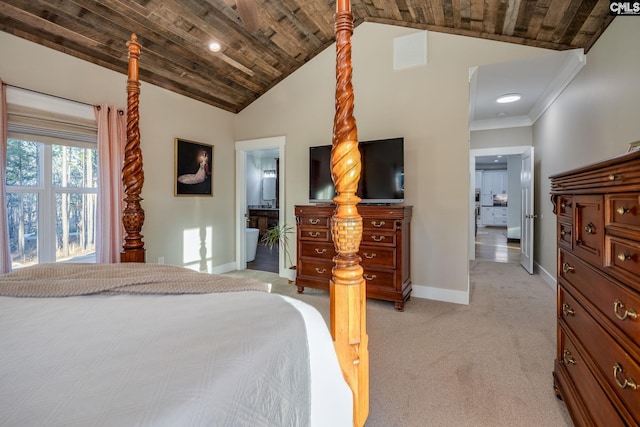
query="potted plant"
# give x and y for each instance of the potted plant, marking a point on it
(279, 235)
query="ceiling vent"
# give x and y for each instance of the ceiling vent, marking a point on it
(410, 51)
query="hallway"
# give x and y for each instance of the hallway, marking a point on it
(492, 245)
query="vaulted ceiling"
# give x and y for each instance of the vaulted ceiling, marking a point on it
(285, 34)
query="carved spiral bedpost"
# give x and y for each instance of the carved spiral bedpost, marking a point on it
(132, 173)
(348, 289)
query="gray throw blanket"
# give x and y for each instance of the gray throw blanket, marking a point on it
(69, 279)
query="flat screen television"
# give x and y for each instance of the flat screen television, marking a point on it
(381, 178)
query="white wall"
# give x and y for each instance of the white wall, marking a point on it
(428, 106)
(509, 137)
(191, 231)
(595, 117)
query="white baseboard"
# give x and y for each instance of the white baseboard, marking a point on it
(224, 268)
(439, 294)
(548, 278)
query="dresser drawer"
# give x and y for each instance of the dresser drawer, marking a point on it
(617, 304)
(565, 207)
(378, 224)
(614, 365)
(377, 256)
(317, 249)
(588, 231)
(378, 237)
(379, 279)
(622, 211)
(315, 221)
(315, 234)
(571, 363)
(622, 259)
(564, 234)
(315, 268)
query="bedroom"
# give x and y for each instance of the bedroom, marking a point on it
(432, 122)
(437, 169)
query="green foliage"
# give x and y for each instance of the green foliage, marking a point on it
(278, 236)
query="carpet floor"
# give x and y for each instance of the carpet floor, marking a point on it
(488, 363)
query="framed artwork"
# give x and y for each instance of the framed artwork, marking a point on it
(193, 168)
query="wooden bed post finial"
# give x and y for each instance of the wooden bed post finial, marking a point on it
(348, 288)
(132, 173)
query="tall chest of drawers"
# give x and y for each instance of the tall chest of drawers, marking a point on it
(384, 250)
(597, 367)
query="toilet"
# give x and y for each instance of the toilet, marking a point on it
(251, 243)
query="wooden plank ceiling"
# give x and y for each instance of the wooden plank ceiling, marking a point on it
(175, 34)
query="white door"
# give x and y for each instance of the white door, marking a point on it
(528, 216)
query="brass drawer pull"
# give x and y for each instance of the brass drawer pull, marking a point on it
(369, 256)
(567, 310)
(622, 210)
(565, 205)
(321, 251)
(630, 313)
(314, 221)
(377, 224)
(314, 233)
(565, 232)
(377, 238)
(567, 358)
(627, 382)
(624, 257)
(614, 177)
(590, 228)
(369, 277)
(321, 271)
(566, 267)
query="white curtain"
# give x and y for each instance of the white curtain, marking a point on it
(5, 252)
(112, 128)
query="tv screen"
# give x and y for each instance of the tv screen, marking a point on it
(381, 178)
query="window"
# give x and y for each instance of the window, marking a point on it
(51, 185)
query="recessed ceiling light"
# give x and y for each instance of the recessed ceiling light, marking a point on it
(510, 97)
(214, 47)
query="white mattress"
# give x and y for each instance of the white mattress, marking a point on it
(168, 360)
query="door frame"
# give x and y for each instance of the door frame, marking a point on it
(242, 148)
(473, 153)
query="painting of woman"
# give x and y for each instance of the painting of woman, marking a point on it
(193, 168)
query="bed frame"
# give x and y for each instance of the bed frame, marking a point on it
(347, 287)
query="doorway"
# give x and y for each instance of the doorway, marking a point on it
(496, 208)
(260, 202)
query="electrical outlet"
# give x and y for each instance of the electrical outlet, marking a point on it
(160, 260)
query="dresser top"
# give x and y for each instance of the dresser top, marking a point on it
(616, 174)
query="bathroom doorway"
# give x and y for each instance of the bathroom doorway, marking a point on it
(259, 202)
(262, 207)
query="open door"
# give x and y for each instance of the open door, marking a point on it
(528, 216)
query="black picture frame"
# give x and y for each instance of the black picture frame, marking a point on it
(193, 168)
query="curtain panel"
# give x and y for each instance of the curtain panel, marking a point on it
(112, 127)
(5, 253)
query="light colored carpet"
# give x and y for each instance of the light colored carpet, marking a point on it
(488, 363)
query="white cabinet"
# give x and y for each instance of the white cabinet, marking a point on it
(500, 216)
(493, 182)
(494, 215)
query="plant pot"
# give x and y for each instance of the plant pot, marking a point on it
(291, 274)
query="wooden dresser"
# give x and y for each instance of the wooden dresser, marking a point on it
(384, 250)
(597, 367)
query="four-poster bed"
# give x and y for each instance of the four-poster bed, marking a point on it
(117, 343)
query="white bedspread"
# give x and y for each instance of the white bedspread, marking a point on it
(226, 359)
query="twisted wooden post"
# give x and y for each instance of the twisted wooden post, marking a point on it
(348, 289)
(132, 173)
